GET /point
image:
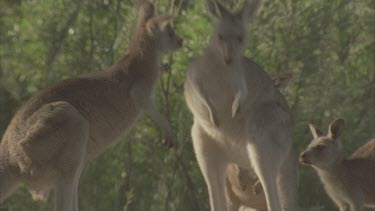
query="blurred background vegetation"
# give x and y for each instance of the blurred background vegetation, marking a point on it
(328, 47)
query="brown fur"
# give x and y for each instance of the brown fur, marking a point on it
(350, 182)
(244, 189)
(59, 130)
(366, 151)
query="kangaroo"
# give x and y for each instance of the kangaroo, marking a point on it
(243, 187)
(349, 182)
(63, 127)
(239, 115)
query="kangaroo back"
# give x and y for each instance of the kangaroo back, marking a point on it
(366, 151)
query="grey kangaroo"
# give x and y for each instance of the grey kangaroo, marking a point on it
(349, 182)
(243, 188)
(239, 115)
(59, 130)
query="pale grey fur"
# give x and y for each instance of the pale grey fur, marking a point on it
(243, 188)
(239, 115)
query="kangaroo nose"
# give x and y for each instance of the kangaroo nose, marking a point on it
(303, 158)
(228, 61)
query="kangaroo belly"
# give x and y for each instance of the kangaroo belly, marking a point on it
(108, 125)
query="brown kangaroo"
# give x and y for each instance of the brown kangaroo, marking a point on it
(349, 182)
(63, 127)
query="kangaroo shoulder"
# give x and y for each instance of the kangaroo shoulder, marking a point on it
(249, 63)
(196, 64)
(195, 69)
(366, 151)
(254, 69)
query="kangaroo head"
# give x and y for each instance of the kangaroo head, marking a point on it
(160, 29)
(145, 11)
(324, 150)
(230, 33)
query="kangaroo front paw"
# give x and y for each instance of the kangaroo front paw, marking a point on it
(235, 106)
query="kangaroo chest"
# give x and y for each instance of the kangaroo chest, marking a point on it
(222, 86)
(339, 186)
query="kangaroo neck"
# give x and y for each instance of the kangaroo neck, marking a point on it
(334, 170)
(143, 44)
(233, 73)
(141, 61)
(143, 51)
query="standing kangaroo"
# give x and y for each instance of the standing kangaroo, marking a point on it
(349, 182)
(62, 128)
(243, 187)
(239, 115)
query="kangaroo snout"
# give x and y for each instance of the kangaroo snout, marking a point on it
(228, 60)
(303, 158)
(227, 54)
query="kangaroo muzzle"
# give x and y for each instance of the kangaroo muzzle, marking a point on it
(303, 158)
(227, 54)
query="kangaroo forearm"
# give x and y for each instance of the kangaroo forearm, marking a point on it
(202, 96)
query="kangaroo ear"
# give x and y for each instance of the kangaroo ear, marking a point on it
(315, 132)
(335, 128)
(249, 10)
(216, 9)
(165, 21)
(145, 11)
(159, 23)
(150, 27)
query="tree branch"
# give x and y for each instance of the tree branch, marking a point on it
(58, 40)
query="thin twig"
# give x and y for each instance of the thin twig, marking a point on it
(58, 40)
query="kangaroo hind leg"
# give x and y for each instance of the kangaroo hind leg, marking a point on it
(71, 161)
(287, 182)
(266, 166)
(212, 165)
(55, 148)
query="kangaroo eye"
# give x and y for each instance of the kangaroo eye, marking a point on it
(320, 147)
(240, 39)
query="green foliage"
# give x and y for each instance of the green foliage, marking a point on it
(328, 47)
